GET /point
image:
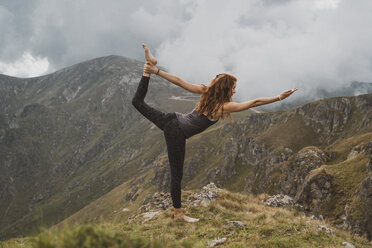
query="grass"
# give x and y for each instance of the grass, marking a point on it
(265, 227)
(293, 134)
(347, 178)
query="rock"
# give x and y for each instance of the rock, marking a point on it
(327, 114)
(365, 195)
(279, 200)
(348, 245)
(369, 165)
(326, 229)
(162, 176)
(236, 223)
(150, 215)
(360, 223)
(230, 156)
(315, 191)
(299, 207)
(320, 217)
(132, 196)
(38, 197)
(208, 194)
(205, 202)
(306, 160)
(216, 242)
(364, 148)
(352, 154)
(160, 201)
(125, 209)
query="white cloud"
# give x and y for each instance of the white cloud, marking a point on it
(327, 4)
(270, 45)
(27, 66)
(274, 47)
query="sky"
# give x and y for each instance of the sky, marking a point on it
(269, 45)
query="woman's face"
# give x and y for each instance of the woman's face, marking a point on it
(233, 90)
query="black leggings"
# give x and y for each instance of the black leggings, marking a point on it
(174, 137)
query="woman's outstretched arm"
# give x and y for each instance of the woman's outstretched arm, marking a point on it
(194, 88)
(236, 107)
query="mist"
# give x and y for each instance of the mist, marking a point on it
(274, 47)
(270, 46)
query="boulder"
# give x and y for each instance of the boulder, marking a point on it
(216, 242)
(279, 200)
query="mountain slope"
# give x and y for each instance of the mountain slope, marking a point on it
(68, 138)
(315, 154)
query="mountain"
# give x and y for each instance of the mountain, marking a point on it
(69, 137)
(347, 89)
(73, 148)
(319, 153)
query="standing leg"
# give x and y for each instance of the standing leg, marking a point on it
(176, 144)
(155, 116)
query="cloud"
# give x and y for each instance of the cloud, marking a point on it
(327, 4)
(270, 45)
(69, 32)
(27, 66)
(273, 47)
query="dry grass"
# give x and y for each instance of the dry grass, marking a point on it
(265, 227)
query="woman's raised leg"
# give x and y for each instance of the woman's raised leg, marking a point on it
(155, 116)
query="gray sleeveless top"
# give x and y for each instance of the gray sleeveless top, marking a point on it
(192, 124)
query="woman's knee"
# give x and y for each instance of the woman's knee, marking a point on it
(176, 178)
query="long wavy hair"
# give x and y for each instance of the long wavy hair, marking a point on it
(218, 92)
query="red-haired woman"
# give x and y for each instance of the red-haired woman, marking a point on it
(215, 103)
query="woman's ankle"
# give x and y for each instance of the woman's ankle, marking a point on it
(178, 211)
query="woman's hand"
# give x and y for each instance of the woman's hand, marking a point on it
(286, 94)
(149, 68)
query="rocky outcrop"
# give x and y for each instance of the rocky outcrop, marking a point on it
(227, 168)
(162, 176)
(299, 166)
(369, 165)
(155, 204)
(363, 148)
(207, 194)
(315, 191)
(363, 224)
(329, 116)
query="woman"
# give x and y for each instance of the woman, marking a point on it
(215, 102)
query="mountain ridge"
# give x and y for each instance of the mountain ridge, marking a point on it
(63, 147)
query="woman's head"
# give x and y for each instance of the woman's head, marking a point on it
(226, 83)
(219, 91)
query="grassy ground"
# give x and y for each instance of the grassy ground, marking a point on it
(265, 227)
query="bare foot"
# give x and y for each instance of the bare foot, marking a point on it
(149, 56)
(185, 218)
